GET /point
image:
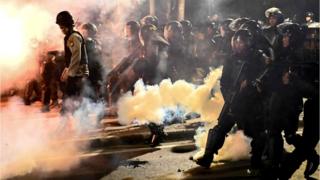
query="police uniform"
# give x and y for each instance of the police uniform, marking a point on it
(247, 115)
(76, 63)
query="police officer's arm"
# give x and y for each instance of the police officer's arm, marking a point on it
(74, 44)
(225, 81)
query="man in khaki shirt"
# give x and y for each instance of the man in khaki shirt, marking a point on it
(76, 70)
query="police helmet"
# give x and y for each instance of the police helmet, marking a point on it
(186, 26)
(175, 26)
(244, 37)
(294, 31)
(253, 26)
(274, 11)
(310, 14)
(147, 31)
(235, 24)
(149, 19)
(91, 28)
(64, 18)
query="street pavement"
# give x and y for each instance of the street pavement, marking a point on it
(167, 163)
(121, 152)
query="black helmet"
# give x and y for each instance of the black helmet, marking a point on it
(235, 24)
(149, 19)
(252, 26)
(290, 29)
(186, 26)
(310, 14)
(147, 31)
(64, 18)
(91, 28)
(295, 32)
(242, 36)
(175, 26)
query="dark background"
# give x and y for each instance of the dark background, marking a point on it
(198, 10)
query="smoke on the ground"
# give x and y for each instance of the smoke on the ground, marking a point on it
(236, 146)
(150, 103)
(43, 142)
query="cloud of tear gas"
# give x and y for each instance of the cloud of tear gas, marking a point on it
(149, 103)
(23, 36)
(236, 146)
(33, 141)
(153, 103)
(111, 17)
(28, 31)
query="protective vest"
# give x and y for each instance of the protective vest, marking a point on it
(84, 57)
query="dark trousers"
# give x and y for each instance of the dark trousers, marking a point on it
(246, 111)
(50, 92)
(73, 92)
(284, 109)
(305, 147)
(74, 86)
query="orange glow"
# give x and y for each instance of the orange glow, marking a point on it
(24, 31)
(12, 37)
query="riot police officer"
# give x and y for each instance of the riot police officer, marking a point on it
(132, 29)
(286, 97)
(244, 65)
(261, 41)
(122, 77)
(177, 64)
(75, 56)
(189, 39)
(152, 65)
(223, 41)
(204, 49)
(50, 77)
(297, 82)
(275, 17)
(94, 53)
(309, 18)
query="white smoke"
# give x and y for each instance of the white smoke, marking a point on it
(25, 37)
(149, 103)
(236, 146)
(31, 140)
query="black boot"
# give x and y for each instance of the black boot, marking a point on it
(258, 145)
(215, 141)
(205, 160)
(312, 164)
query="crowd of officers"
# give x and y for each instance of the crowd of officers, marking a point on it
(266, 75)
(268, 70)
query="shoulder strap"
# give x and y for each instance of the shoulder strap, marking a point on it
(83, 41)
